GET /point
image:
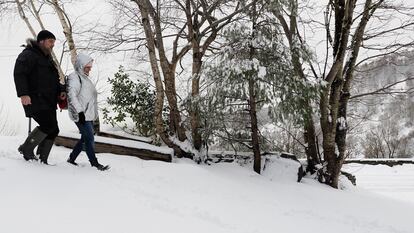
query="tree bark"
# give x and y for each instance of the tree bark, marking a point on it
(254, 128)
(331, 96)
(67, 29)
(168, 70)
(195, 93)
(159, 102)
(309, 133)
(348, 76)
(147, 12)
(257, 167)
(311, 148)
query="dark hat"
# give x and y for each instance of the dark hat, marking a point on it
(44, 35)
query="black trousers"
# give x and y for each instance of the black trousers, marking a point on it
(47, 122)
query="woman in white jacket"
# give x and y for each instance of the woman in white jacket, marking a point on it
(83, 109)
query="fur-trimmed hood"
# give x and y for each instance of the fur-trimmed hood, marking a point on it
(31, 43)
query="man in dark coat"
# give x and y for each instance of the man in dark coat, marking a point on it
(37, 84)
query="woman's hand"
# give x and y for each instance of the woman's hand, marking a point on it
(62, 95)
(81, 118)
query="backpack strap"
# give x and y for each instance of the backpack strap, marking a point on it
(66, 82)
(80, 81)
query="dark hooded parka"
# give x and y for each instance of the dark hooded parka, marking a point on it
(36, 75)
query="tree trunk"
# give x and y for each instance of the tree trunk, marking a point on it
(311, 149)
(23, 16)
(193, 33)
(175, 116)
(257, 167)
(67, 30)
(195, 92)
(254, 128)
(159, 102)
(309, 133)
(331, 95)
(342, 126)
(335, 95)
(145, 10)
(168, 70)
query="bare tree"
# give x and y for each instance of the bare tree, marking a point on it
(66, 26)
(155, 42)
(351, 32)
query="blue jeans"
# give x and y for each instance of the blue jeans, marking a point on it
(88, 139)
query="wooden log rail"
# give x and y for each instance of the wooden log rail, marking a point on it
(120, 147)
(111, 135)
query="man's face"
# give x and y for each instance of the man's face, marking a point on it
(48, 44)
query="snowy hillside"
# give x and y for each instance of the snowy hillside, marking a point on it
(149, 196)
(382, 123)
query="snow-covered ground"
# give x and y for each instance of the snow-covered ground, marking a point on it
(396, 182)
(151, 196)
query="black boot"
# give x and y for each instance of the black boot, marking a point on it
(43, 150)
(34, 138)
(99, 166)
(71, 161)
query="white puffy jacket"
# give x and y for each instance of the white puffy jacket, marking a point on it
(82, 94)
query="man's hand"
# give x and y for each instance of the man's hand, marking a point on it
(62, 95)
(25, 99)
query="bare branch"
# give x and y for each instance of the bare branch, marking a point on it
(386, 90)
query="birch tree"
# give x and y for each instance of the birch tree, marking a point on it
(151, 22)
(66, 26)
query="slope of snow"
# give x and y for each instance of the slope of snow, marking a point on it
(151, 196)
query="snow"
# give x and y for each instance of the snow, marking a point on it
(395, 182)
(282, 170)
(151, 196)
(122, 142)
(127, 135)
(342, 123)
(262, 72)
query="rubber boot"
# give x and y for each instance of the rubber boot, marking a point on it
(34, 139)
(43, 150)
